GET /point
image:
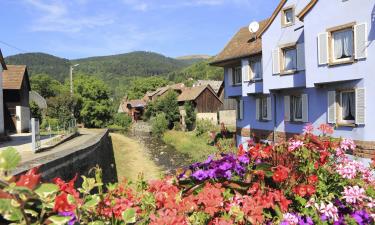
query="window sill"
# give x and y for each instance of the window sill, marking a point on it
(346, 125)
(263, 120)
(285, 25)
(236, 85)
(254, 80)
(289, 72)
(336, 63)
(295, 122)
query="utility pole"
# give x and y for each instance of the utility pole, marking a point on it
(71, 79)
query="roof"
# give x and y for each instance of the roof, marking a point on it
(243, 44)
(13, 77)
(271, 19)
(2, 61)
(162, 90)
(192, 93)
(136, 103)
(306, 10)
(215, 84)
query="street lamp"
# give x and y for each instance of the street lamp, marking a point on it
(71, 79)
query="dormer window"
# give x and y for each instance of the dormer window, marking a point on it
(287, 17)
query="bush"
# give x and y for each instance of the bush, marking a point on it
(159, 124)
(122, 120)
(190, 117)
(177, 126)
(35, 111)
(50, 122)
(203, 126)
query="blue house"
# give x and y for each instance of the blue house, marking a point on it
(316, 66)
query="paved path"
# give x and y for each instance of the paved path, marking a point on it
(31, 159)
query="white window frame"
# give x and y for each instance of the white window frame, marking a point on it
(263, 106)
(340, 118)
(292, 113)
(235, 69)
(283, 50)
(252, 62)
(332, 46)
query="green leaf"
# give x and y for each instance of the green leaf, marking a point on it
(87, 185)
(96, 223)
(263, 166)
(9, 159)
(31, 212)
(59, 220)
(46, 189)
(129, 216)
(93, 201)
(8, 211)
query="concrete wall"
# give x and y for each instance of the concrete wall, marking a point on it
(23, 119)
(228, 117)
(208, 116)
(78, 160)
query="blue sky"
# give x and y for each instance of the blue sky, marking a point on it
(82, 28)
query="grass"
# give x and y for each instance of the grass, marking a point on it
(131, 159)
(188, 143)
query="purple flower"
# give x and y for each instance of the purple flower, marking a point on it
(225, 166)
(212, 173)
(302, 220)
(244, 159)
(73, 218)
(200, 175)
(209, 160)
(362, 217)
(228, 175)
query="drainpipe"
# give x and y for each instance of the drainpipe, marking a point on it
(274, 118)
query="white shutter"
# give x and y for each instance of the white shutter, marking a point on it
(287, 108)
(323, 55)
(230, 76)
(276, 61)
(257, 108)
(301, 56)
(269, 108)
(360, 41)
(331, 111)
(241, 109)
(360, 106)
(305, 108)
(245, 70)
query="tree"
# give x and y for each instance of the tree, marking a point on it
(159, 124)
(190, 117)
(35, 111)
(168, 104)
(96, 107)
(45, 85)
(61, 107)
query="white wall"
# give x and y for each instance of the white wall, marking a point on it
(23, 119)
(1, 103)
(228, 117)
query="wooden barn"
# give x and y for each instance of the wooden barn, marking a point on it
(203, 97)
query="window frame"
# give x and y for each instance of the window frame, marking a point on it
(283, 49)
(292, 113)
(339, 104)
(234, 75)
(251, 63)
(332, 61)
(263, 116)
(284, 23)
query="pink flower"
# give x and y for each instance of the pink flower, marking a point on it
(354, 194)
(347, 144)
(347, 169)
(289, 218)
(294, 144)
(308, 129)
(328, 210)
(326, 129)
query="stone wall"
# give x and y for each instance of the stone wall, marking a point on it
(208, 116)
(79, 161)
(228, 117)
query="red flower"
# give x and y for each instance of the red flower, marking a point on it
(62, 204)
(280, 174)
(260, 151)
(313, 179)
(67, 187)
(326, 129)
(241, 150)
(324, 157)
(211, 197)
(30, 179)
(300, 190)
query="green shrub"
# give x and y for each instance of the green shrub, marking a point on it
(177, 126)
(35, 111)
(122, 120)
(50, 122)
(203, 126)
(159, 124)
(190, 117)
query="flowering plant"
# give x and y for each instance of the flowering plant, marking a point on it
(305, 180)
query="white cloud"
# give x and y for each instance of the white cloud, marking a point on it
(57, 16)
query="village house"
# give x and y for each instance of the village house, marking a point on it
(134, 108)
(162, 91)
(316, 62)
(16, 88)
(204, 100)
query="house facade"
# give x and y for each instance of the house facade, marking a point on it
(316, 62)
(2, 68)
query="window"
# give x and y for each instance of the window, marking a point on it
(287, 17)
(263, 108)
(237, 75)
(296, 108)
(256, 69)
(289, 59)
(239, 110)
(347, 107)
(342, 45)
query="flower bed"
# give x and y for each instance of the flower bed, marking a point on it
(306, 180)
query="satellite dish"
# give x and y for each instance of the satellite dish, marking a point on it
(253, 27)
